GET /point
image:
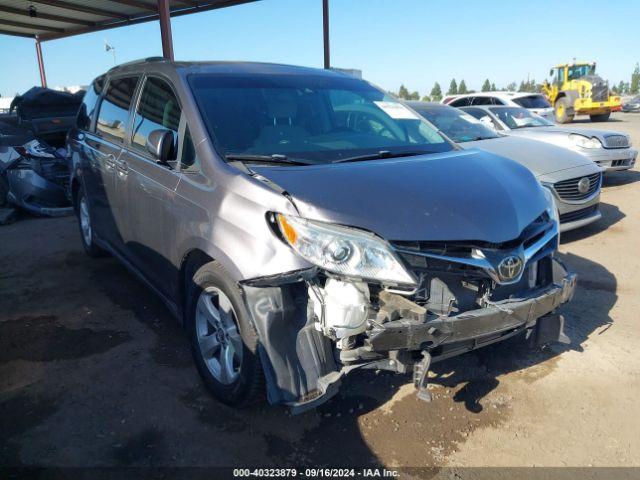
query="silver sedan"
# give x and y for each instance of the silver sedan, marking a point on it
(574, 180)
(610, 150)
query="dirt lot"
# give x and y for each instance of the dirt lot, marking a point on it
(94, 372)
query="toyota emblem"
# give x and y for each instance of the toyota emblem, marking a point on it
(510, 268)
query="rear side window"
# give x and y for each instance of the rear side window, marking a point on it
(461, 102)
(114, 109)
(532, 101)
(158, 109)
(89, 103)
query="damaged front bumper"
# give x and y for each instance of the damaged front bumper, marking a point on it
(304, 363)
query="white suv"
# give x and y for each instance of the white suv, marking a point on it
(534, 102)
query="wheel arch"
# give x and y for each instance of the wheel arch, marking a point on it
(191, 262)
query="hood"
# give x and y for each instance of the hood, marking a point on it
(539, 157)
(462, 195)
(560, 135)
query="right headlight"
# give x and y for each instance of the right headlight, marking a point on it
(343, 250)
(585, 142)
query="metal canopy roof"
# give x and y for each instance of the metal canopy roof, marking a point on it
(52, 19)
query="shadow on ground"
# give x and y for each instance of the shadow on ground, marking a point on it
(611, 215)
(127, 393)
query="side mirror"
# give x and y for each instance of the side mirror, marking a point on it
(160, 145)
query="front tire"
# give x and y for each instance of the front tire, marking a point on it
(223, 341)
(87, 234)
(562, 108)
(603, 117)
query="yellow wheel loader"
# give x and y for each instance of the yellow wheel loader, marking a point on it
(575, 89)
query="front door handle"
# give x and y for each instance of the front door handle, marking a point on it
(109, 161)
(123, 167)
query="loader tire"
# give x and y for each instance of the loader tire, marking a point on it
(602, 117)
(562, 107)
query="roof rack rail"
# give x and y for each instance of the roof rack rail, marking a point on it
(137, 62)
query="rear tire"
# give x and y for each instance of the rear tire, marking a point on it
(562, 108)
(87, 236)
(223, 341)
(602, 117)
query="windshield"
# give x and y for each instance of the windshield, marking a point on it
(578, 71)
(532, 101)
(455, 124)
(309, 118)
(519, 117)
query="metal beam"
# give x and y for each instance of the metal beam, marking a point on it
(16, 34)
(46, 16)
(81, 8)
(165, 29)
(30, 26)
(325, 33)
(137, 19)
(43, 76)
(137, 4)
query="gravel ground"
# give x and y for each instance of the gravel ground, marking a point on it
(95, 372)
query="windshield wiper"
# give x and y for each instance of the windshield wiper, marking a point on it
(377, 155)
(275, 158)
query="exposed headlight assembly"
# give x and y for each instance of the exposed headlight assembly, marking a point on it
(343, 251)
(552, 208)
(585, 142)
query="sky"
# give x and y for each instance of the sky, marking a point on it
(394, 42)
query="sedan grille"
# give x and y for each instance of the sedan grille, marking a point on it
(571, 190)
(616, 141)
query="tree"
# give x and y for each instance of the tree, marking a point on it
(512, 87)
(436, 92)
(426, 98)
(403, 92)
(522, 87)
(634, 88)
(414, 96)
(621, 87)
(493, 87)
(462, 88)
(486, 86)
(453, 87)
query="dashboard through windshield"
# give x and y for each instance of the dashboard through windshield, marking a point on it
(309, 118)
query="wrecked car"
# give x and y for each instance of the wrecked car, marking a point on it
(34, 171)
(303, 224)
(33, 175)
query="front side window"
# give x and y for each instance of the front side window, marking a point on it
(456, 124)
(114, 109)
(310, 118)
(462, 102)
(579, 71)
(532, 101)
(158, 109)
(89, 103)
(519, 118)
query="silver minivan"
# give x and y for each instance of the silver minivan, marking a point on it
(303, 224)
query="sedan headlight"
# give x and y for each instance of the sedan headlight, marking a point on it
(585, 142)
(344, 251)
(552, 208)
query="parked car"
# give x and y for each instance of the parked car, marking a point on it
(534, 102)
(632, 105)
(573, 179)
(609, 149)
(302, 223)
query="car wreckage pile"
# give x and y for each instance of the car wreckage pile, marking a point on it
(34, 171)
